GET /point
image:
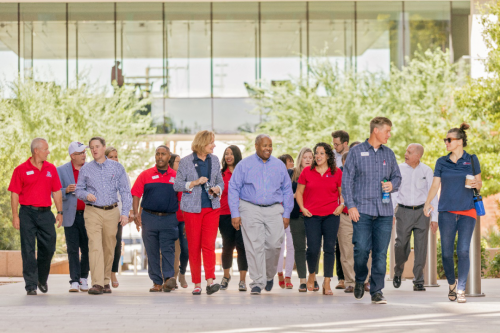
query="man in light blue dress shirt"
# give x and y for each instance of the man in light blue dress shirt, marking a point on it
(261, 200)
(98, 184)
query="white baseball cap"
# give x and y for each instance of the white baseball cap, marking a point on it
(76, 147)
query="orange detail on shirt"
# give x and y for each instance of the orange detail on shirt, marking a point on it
(471, 212)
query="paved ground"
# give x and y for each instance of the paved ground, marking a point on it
(131, 308)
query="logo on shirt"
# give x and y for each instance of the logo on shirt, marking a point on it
(49, 174)
(466, 163)
(384, 163)
(172, 180)
(30, 172)
(155, 177)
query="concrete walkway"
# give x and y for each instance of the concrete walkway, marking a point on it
(131, 308)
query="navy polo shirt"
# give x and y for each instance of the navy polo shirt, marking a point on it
(203, 167)
(157, 190)
(454, 195)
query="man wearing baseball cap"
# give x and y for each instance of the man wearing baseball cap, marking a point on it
(73, 222)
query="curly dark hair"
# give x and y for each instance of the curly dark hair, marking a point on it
(460, 132)
(331, 156)
(237, 157)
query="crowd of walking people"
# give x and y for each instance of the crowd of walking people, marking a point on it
(338, 199)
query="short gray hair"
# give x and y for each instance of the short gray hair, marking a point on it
(260, 137)
(418, 148)
(36, 144)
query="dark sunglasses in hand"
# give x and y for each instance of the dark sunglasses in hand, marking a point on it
(449, 140)
(211, 194)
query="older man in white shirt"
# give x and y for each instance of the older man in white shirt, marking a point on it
(409, 215)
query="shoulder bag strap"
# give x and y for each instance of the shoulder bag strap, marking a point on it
(476, 192)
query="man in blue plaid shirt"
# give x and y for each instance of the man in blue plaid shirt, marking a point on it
(370, 169)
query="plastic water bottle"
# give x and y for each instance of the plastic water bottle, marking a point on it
(386, 197)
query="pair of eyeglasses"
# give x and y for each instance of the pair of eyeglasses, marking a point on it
(81, 153)
(449, 140)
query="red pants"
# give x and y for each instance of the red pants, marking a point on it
(201, 233)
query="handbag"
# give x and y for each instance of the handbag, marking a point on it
(478, 199)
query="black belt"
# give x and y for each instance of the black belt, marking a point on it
(345, 213)
(104, 207)
(157, 213)
(263, 205)
(40, 209)
(411, 207)
(80, 212)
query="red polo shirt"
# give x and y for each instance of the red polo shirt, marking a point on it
(80, 205)
(224, 206)
(321, 195)
(35, 186)
(157, 190)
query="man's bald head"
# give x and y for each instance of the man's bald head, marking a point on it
(260, 137)
(263, 146)
(419, 149)
(413, 154)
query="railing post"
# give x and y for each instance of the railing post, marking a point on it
(473, 287)
(430, 269)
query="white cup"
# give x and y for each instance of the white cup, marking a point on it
(468, 180)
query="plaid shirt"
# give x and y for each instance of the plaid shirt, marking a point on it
(364, 169)
(104, 181)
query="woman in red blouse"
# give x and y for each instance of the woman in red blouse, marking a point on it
(318, 196)
(231, 237)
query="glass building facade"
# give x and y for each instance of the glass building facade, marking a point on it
(197, 59)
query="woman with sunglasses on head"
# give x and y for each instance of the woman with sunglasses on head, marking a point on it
(231, 238)
(318, 196)
(457, 173)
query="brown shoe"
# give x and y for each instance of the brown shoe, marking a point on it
(156, 288)
(107, 289)
(349, 289)
(169, 285)
(96, 290)
(367, 286)
(341, 285)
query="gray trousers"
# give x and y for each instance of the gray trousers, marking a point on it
(408, 221)
(263, 232)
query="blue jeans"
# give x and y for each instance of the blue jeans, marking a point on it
(184, 257)
(160, 233)
(318, 227)
(371, 233)
(449, 225)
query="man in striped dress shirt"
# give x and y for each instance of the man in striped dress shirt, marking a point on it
(97, 186)
(370, 169)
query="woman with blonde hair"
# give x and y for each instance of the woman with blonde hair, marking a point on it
(200, 180)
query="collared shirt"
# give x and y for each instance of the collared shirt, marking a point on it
(35, 186)
(157, 190)
(364, 171)
(204, 171)
(454, 195)
(321, 193)
(415, 186)
(224, 204)
(338, 159)
(261, 184)
(104, 180)
(80, 205)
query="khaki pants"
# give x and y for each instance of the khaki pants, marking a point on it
(101, 228)
(347, 251)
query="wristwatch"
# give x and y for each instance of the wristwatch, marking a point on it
(60, 212)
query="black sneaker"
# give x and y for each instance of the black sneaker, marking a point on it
(43, 287)
(359, 290)
(213, 288)
(269, 285)
(378, 298)
(255, 291)
(224, 283)
(31, 292)
(418, 287)
(396, 281)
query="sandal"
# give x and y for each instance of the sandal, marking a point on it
(288, 283)
(328, 292)
(452, 294)
(115, 284)
(316, 286)
(197, 291)
(302, 288)
(281, 280)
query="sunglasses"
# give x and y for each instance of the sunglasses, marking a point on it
(449, 140)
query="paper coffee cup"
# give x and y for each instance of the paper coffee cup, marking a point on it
(468, 180)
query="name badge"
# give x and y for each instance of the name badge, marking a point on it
(365, 153)
(30, 172)
(155, 177)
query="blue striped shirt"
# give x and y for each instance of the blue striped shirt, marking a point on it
(104, 181)
(261, 184)
(364, 170)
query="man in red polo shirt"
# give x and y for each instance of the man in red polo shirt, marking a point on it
(159, 223)
(31, 185)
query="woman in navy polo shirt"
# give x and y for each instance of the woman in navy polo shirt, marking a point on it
(318, 194)
(231, 238)
(456, 207)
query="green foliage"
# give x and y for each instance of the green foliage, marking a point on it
(62, 116)
(418, 98)
(440, 268)
(492, 238)
(494, 267)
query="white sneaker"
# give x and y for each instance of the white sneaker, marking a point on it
(75, 287)
(84, 286)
